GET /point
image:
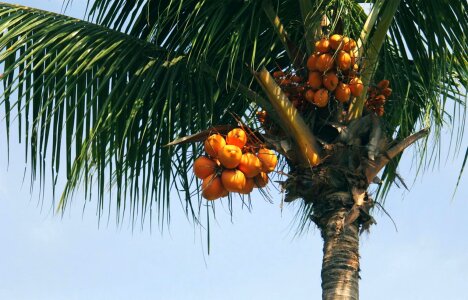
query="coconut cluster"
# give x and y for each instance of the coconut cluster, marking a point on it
(293, 86)
(332, 73)
(377, 96)
(233, 164)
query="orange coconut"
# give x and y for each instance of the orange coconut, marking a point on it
(213, 144)
(353, 54)
(330, 81)
(343, 60)
(322, 45)
(312, 62)
(309, 95)
(250, 165)
(230, 156)
(268, 159)
(315, 80)
(336, 41)
(349, 44)
(233, 180)
(204, 167)
(237, 137)
(248, 186)
(321, 98)
(324, 62)
(356, 86)
(345, 42)
(342, 92)
(212, 188)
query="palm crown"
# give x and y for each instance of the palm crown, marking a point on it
(110, 95)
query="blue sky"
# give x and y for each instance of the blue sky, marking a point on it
(44, 256)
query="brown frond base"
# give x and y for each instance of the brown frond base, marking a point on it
(338, 184)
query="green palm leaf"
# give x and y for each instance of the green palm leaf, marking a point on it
(425, 59)
(108, 102)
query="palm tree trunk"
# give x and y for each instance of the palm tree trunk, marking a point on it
(340, 266)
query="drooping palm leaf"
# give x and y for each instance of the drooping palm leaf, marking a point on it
(108, 102)
(461, 172)
(425, 60)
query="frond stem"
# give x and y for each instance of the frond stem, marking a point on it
(391, 153)
(290, 117)
(372, 54)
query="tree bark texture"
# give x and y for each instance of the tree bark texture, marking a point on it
(340, 265)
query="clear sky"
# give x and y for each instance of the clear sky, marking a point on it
(44, 256)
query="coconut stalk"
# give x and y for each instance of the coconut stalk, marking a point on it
(309, 150)
(370, 22)
(373, 47)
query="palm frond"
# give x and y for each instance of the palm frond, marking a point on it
(462, 169)
(424, 57)
(108, 102)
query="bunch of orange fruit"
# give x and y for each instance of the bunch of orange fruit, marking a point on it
(293, 86)
(233, 164)
(377, 96)
(333, 71)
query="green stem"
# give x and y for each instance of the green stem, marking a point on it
(372, 54)
(370, 22)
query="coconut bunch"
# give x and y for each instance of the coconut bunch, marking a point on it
(377, 96)
(294, 87)
(234, 163)
(333, 71)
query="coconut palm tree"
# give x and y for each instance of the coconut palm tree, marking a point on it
(119, 103)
